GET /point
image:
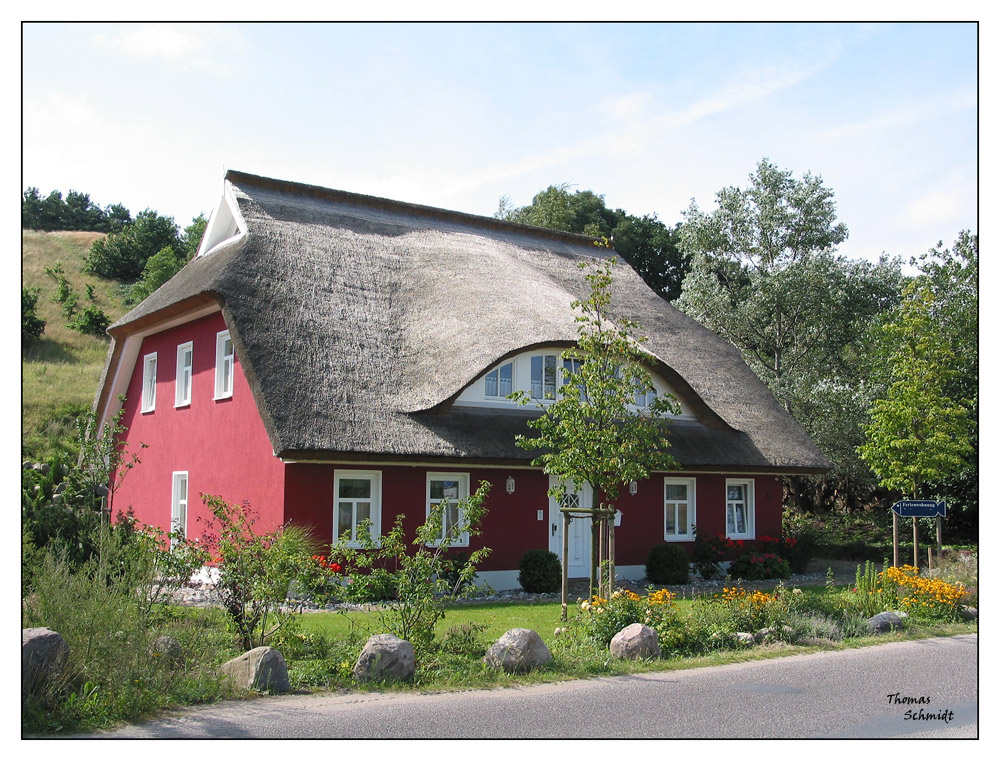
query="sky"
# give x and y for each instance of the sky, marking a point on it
(650, 115)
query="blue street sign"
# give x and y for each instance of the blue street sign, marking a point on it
(920, 508)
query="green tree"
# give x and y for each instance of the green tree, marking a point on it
(123, 255)
(158, 270)
(32, 326)
(593, 433)
(647, 244)
(917, 433)
(193, 234)
(764, 275)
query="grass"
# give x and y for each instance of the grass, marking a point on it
(60, 373)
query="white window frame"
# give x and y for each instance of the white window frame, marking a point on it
(184, 379)
(221, 361)
(375, 478)
(513, 381)
(749, 500)
(557, 378)
(179, 505)
(149, 382)
(692, 508)
(463, 492)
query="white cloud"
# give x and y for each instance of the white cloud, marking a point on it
(931, 110)
(207, 46)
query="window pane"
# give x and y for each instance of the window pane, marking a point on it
(364, 511)
(676, 491)
(730, 523)
(682, 518)
(741, 522)
(444, 490)
(451, 515)
(227, 347)
(507, 379)
(536, 377)
(735, 493)
(344, 520)
(355, 488)
(550, 376)
(491, 383)
(182, 489)
(671, 521)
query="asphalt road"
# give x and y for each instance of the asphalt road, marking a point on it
(844, 694)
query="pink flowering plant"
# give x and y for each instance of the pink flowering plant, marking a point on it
(755, 565)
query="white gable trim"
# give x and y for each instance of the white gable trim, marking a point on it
(225, 225)
(130, 355)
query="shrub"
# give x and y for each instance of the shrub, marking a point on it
(667, 564)
(750, 611)
(924, 597)
(707, 555)
(256, 570)
(540, 572)
(602, 619)
(754, 565)
(123, 255)
(91, 322)
(465, 639)
(32, 326)
(424, 580)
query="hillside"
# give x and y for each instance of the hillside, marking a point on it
(59, 374)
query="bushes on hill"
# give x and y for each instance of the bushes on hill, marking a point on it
(123, 255)
(32, 326)
(75, 212)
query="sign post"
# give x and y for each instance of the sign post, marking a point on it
(916, 508)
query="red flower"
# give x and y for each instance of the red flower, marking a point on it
(335, 567)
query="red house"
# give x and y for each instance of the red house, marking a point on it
(332, 357)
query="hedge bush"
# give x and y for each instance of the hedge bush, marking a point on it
(540, 572)
(667, 564)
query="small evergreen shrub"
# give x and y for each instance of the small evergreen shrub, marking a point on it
(540, 572)
(667, 564)
(32, 326)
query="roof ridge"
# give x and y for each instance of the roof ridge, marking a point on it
(389, 204)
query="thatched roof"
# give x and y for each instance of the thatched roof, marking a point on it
(358, 320)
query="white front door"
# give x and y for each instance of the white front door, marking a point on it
(579, 530)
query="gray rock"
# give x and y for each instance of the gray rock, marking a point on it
(43, 655)
(26, 465)
(518, 651)
(772, 633)
(385, 657)
(884, 622)
(744, 638)
(262, 669)
(636, 641)
(968, 612)
(41, 467)
(167, 647)
(60, 488)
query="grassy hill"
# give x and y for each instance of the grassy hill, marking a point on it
(59, 374)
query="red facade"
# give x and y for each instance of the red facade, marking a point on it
(223, 447)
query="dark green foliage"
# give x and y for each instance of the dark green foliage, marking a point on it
(76, 212)
(91, 322)
(648, 245)
(123, 255)
(464, 639)
(159, 269)
(540, 572)
(708, 553)
(667, 564)
(32, 326)
(193, 234)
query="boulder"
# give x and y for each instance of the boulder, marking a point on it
(518, 651)
(385, 657)
(635, 641)
(744, 638)
(772, 633)
(43, 655)
(885, 622)
(166, 647)
(262, 669)
(969, 613)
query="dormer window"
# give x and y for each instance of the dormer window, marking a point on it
(500, 382)
(543, 376)
(644, 398)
